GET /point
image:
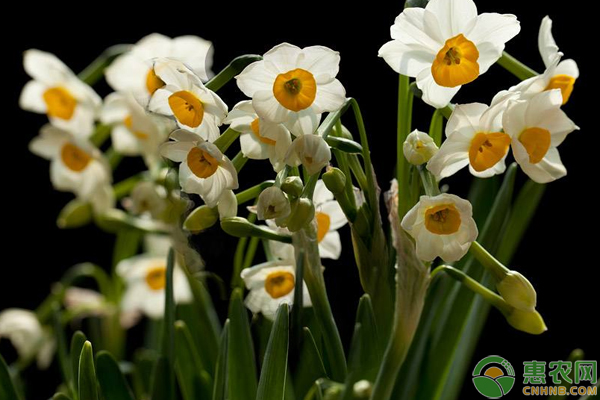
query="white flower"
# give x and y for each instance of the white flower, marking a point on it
(75, 166)
(56, 91)
(474, 137)
(419, 147)
(446, 45)
(132, 72)
(134, 132)
(145, 278)
(204, 170)
(442, 226)
(147, 198)
(185, 98)
(330, 218)
(228, 205)
(273, 203)
(272, 284)
(85, 302)
(27, 335)
(309, 150)
(294, 86)
(537, 127)
(259, 138)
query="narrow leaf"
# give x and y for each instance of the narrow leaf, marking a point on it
(309, 367)
(194, 381)
(88, 389)
(77, 342)
(7, 388)
(220, 383)
(273, 375)
(113, 384)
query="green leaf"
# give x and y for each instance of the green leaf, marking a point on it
(144, 361)
(59, 396)
(126, 244)
(241, 367)
(61, 346)
(75, 214)
(343, 144)
(7, 388)
(220, 382)
(194, 381)
(113, 384)
(77, 342)
(236, 66)
(309, 367)
(88, 388)
(488, 387)
(436, 127)
(162, 383)
(273, 375)
(416, 3)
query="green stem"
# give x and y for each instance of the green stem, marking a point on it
(123, 188)
(495, 267)
(93, 72)
(405, 100)
(342, 161)
(236, 66)
(429, 183)
(239, 161)
(516, 67)
(372, 186)
(358, 172)
(100, 135)
(238, 258)
(436, 127)
(226, 139)
(114, 158)
(253, 192)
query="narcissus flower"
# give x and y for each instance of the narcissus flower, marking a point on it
(311, 151)
(185, 98)
(27, 335)
(204, 170)
(272, 203)
(147, 199)
(145, 276)
(272, 284)
(75, 166)
(132, 71)
(537, 127)
(419, 147)
(474, 137)
(442, 226)
(446, 45)
(56, 91)
(259, 138)
(294, 86)
(134, 132)
(330, 218)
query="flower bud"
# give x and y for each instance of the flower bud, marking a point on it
(75, 214)
(362, 389)
(517, 291)
(419, 147)
(309, 150)
(201, 219)
(272, 203)
(293, 186)
(303, 212)
(241, 227)
(334, 179)
(228, 205)
(529, 321)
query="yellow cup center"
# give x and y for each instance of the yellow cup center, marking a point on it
(60, 103)
(295, 90)
(279, 283)
(323, 224)
(156, 278)
(187, 108)
(201, 163)
(153, 82)
(443, 219)
(255, 126)
(456, 63)
(128, 122)
(537, 142)
(563, 82)
(74, 158)
(487, 149)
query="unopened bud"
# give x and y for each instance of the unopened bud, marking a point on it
(303, 212)
(75, 214)
(309, 150)
(272, 203)
(362, 389)
(517, 291)
(529, 321)
(241, 227)
(201, 219)
(333, 393)
(293, 186)
(419, 147)
(334, 179)
(228, 205)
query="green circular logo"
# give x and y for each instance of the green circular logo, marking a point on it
(493, 377)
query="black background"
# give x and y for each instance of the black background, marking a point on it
(557, 254)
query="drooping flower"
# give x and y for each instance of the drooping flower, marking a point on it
(132, 71)
(537, 127)
(147, 198)
(442, 226)
(75, 166)
(273, 203)
(134, 131)
(294, 86)
(446, 45)
(474, 137)
(330, 218)
(204, 169)
(185, 98)
(272, 284)
(259, 138)
(309, 150)
(27, 335)
(55, 90)
(145, 279)
(419, 147)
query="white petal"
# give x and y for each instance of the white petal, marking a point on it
(465, 119)
(46, 67)
(128, 73)
(331, 246)
(32, 99)
(330, 97)
(321, 61)
(159, 103)
(253, 148)
(49, 142)
(547, 170)
(406, 59)
(176, 151)
(115, 109)
(454, 16)
(321, 195)
(452, 156)
(255, 78)
(182, 135)
(196, 52)
(337, 218)
(304, 122)
(546, 44)
(267, 107)
(434, 94)
(124, 141)
(567, 67)
(282, 58)
(409, 28)
(494, 28)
